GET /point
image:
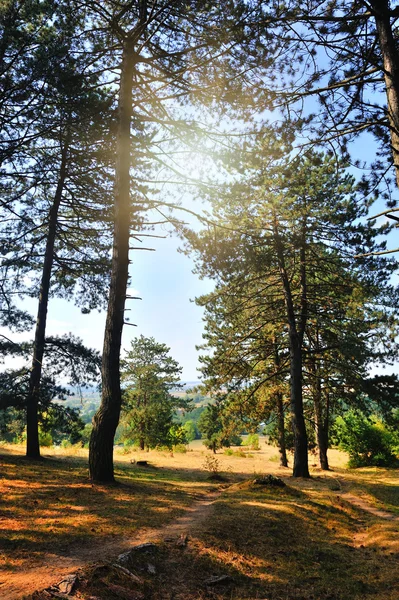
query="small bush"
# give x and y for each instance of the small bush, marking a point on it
(211, 464)
(229, 452)
(253, 441)
(240, 454)
(180, 449)
(45, 439)
(235, 440)
(368, 441)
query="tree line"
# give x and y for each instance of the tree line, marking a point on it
(96, 100)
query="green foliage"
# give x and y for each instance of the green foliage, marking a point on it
(66, 356)
(271, 430)
(291, 289)
(148, 405)
(180, 449)
(368, 440)
(253, 441)
(85, 435)
(193, 415)
(210, 425)
(45, 438)
(192, 432)
(235, 439)
(239, 453)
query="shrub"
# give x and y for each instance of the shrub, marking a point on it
(368, 441)
(211, 464)
(241, 454)
(253, 441)
(180, 449)
(45, 439)
(235, 440)
(86, 433)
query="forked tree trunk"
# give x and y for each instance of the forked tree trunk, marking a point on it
(106, 419)
(32, 426)
(390, 58)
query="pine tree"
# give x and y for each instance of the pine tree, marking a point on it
(342, 55)
(287, 229)
(169, 55)
(58, 225)
(150, 375)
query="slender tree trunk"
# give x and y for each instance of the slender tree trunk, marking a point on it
(301, 465)
(390, 57)
(321, 432)
(32, 427)
(280, 413)
(106, 419)
(322, 441)
(281, 431)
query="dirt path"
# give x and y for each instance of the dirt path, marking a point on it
(52, 568)
(367, 507)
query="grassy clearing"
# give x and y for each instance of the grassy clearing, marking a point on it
(303, 541)
(51, 506)
(288, 543)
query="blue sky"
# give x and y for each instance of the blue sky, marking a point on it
(166, 284)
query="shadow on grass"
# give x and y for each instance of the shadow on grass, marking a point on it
(278, 547)
(51, 506)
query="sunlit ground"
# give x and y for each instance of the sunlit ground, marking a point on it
(302, 541)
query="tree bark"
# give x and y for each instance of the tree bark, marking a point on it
(390, 58)
(301, 465)
(321, 423)
(106, 420)
(281, 431)
(322, 438)
(280, 414)
(32, 427)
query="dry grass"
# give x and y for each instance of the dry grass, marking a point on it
(278, 545)
(51, 506)
(303, 541)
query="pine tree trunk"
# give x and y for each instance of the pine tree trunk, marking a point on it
(280, 412)
(301, 466)
(106, 419)
(390, 58)
(281, 431)
(32, 427)
(321, 432)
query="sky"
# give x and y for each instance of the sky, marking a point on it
(167, 286)
(165, 282)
